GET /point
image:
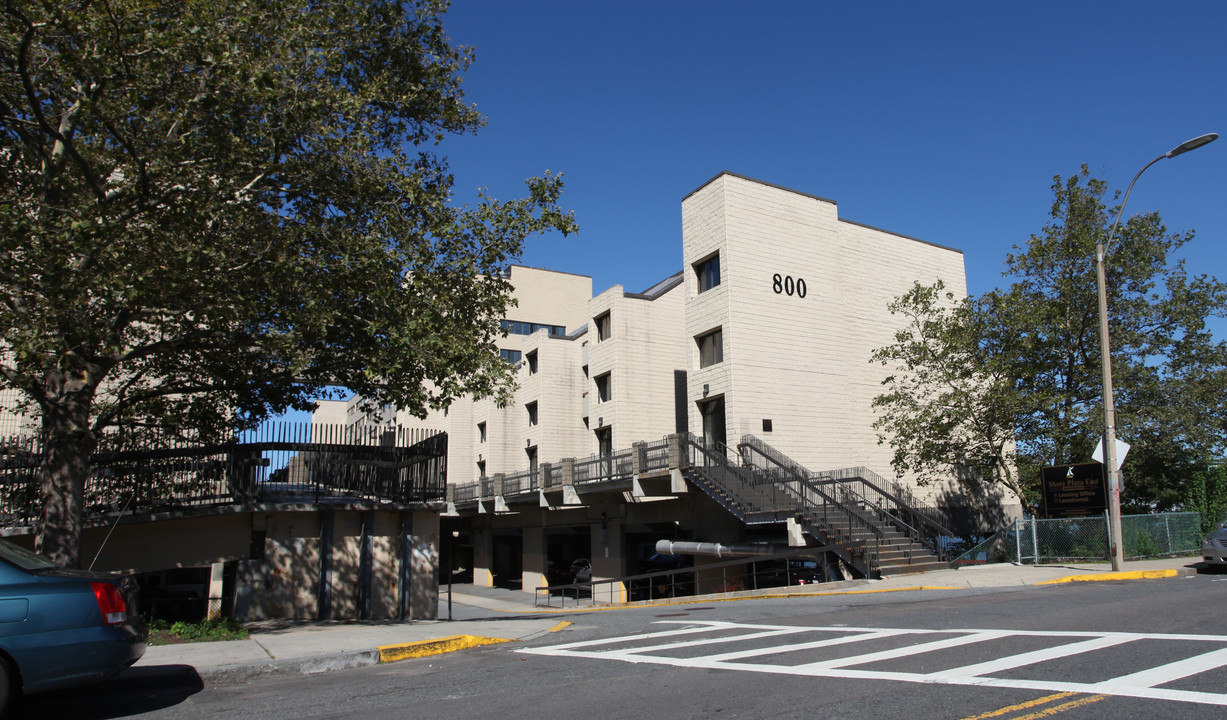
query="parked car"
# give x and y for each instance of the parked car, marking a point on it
(60, 627)
(1214, 546)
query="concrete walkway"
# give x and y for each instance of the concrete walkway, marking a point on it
(491, 615)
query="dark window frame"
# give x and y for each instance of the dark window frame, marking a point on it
(604, 326)
(711, 347)
(707, 272)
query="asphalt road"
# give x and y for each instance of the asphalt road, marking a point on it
(1071, 651)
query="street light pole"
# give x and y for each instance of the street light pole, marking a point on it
(1115, 541)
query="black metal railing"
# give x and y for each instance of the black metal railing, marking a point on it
(278, 463)
(758, 495)
(655, 455)
(764, 573)
(603, 468)
(876, 500)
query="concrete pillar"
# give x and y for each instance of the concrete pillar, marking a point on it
(404, 579)
(607, 560)
(366, 561)
(217, 580)
(424, 566)
(678, 458)
(483, 557)
(568, 471)
(638, 457)
(532, 574)
(324, 593)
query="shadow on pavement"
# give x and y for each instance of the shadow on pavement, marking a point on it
(137, 690)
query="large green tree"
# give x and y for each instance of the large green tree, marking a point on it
(210, 211)
(992, 388)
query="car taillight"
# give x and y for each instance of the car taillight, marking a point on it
(110, 602)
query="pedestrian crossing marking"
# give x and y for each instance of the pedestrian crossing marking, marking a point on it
(662, 648)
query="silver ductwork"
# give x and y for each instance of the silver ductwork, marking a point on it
(671, 547)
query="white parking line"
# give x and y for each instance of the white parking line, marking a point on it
(991, 673)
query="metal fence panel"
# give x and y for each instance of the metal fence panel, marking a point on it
(1034, 540)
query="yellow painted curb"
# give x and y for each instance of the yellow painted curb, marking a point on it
(1127, 575)
(392, 653)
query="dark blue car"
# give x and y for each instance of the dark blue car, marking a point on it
(62, 627)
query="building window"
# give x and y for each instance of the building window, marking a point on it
(532, 362)
(602, 388)
(711, 348)
(708, 273)
(532, 413)
(532, 459)
(602, 327)
(481, 432)
(481, 468)
(515, 327)
(511, 356)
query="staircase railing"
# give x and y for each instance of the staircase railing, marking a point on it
(853, 488)
(758, 495)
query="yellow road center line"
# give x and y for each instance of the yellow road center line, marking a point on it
(1021, 706)
(1046, 712)
(1049, 712)
(560, 626)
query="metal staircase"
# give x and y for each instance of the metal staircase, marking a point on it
(873, 525)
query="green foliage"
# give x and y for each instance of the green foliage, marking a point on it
(224, 628)
(1206, 493)
(212, 211)
(949, 408)
(993, 388)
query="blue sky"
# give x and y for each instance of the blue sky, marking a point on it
(943, 121)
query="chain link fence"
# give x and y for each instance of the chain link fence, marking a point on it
(1038, 541)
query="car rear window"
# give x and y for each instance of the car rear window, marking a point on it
(23, 558)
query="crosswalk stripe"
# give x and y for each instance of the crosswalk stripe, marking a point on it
(902, 652)
(1141, 684)
(1169, 672)
(1030, 658)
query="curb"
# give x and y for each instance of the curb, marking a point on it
(1103, 577)
(347, 660)
(296, 666)
(424, 648)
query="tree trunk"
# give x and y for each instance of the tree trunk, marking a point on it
(68, 443)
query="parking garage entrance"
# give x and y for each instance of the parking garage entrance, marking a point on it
(567, 550)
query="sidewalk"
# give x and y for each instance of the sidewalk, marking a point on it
(489, 615)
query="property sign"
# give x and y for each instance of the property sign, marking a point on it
(1074, 490)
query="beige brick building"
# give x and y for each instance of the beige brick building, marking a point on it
(800, 306)
(766, 331)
